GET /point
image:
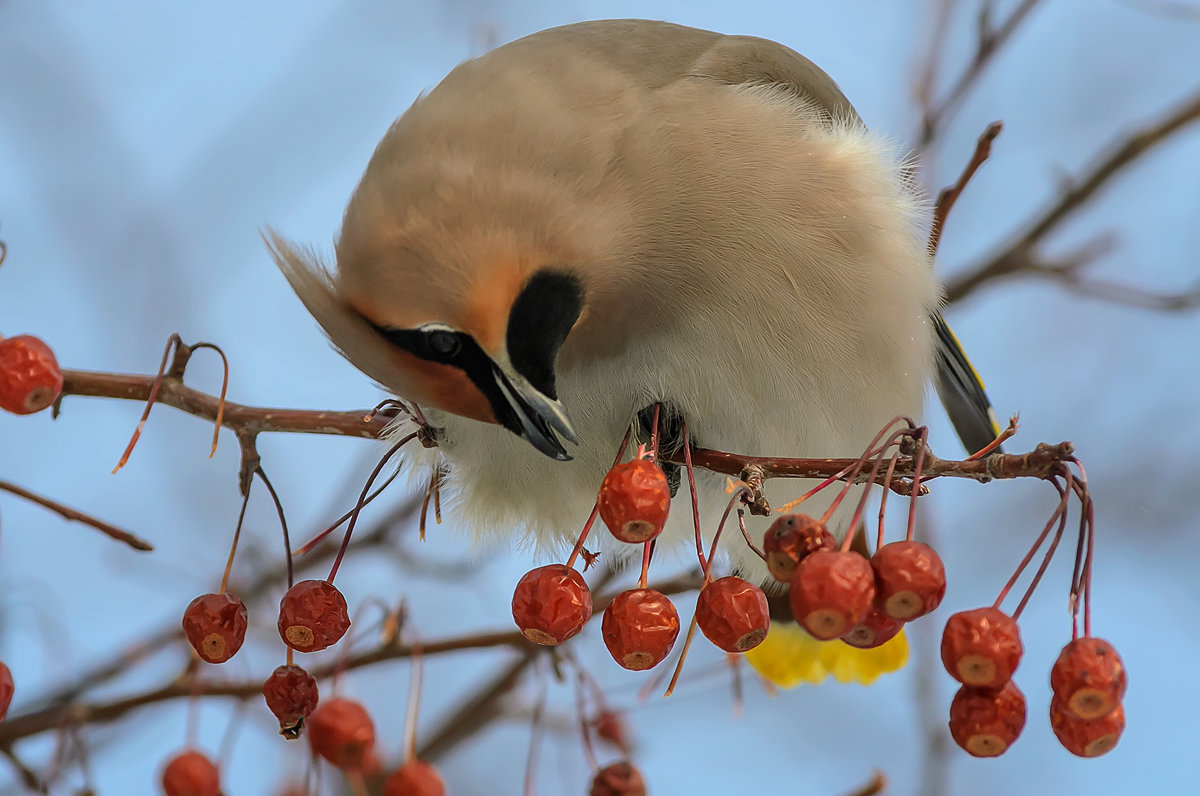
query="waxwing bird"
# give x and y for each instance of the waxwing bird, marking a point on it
(606, 215)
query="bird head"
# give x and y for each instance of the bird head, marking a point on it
(453, 294)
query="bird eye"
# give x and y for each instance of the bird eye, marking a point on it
(443, 343)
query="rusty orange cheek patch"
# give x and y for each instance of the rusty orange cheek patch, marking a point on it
(443, 387)
(485, 312)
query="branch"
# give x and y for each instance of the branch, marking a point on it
(266, 579)
(15, 728)
(1036, 464)
(238, 417)
(948, 196)
(989, 41)
(70, 514)
(1018, 257)
(1041, 462)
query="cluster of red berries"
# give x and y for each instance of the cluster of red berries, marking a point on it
(640, 626)
(312, 616)
(981, 649)
(30, 379)
(840, 594)
(341, 731)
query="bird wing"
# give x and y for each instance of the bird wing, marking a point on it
(747, 60)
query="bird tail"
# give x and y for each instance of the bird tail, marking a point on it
(962, 392)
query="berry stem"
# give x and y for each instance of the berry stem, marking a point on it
(337, 562)
(738, 494)
(997, 442)
(862, 501)
(647, 552)
(585, 729)
(853, 472)
(287, 539)
(687, 644)
(735, 674)
(746, 535)
(414, 704)
(587, 526)
(221, 397)
(1081, 577)
(855, 468)
(434, 490)
(172, 343)
(535, 743)
(1037, 576)
(922, 437)
(237, 535)
(654, 434)
(316, 540)
(691, 476)
(1037, 543)
(887, 483)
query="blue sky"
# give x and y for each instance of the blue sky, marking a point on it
(144, 145)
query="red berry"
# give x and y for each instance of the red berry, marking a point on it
(985, 722)
(790, 539)
(618, 779)
(873, 631)
(215, 625)
(733, 614)
(414, 778)
(30, 379)
(610, 727)
(191, 774)
(341, 731)
(981, 647)
(832, 591)
(639, 628)
(6, 689)
(312, 616)
(551, 604)
(634, 500)
(910, 580)
(291, 694)
(1086, 738)
(1088, 679)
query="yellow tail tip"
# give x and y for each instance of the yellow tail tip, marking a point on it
(789, 656)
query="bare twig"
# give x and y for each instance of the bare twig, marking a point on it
(948, 196)
(29, 777)
(380, 534)
(1038, 463)
(1019, 256)
(68, 513)
(876, 785)
(251, 419)
(990, 40)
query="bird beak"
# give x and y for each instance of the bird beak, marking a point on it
(536, 418)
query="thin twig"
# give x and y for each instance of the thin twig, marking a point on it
(949, 195)
(74, 515)
(989, 42)
(173, 392)
(1019, 255)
